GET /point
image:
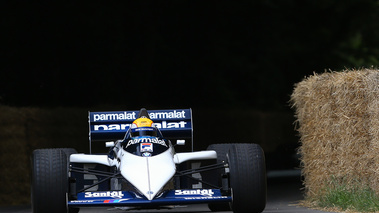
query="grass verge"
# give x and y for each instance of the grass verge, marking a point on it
(348, 199)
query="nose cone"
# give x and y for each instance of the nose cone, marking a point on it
(148, 174)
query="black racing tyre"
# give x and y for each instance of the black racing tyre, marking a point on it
(214, 177)
(221, 149)
(68, 152)
(247, 178)
(49, 181)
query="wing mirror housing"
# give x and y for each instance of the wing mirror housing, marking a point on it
(181, 142)
(109, 144)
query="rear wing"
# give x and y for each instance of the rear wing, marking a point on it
(106, 126)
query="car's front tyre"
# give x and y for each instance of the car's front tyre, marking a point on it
(49, 181)
(247, 178)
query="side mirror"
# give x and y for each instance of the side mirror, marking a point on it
(109, 144)
(181, 142)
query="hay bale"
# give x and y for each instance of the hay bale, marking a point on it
(338, 121)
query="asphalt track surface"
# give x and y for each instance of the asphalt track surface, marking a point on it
(284, 192)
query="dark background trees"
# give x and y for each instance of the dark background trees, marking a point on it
(239, 57)
(172, 54)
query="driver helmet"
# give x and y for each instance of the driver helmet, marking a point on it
(143, 127)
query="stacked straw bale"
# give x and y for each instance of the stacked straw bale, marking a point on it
(338, 121)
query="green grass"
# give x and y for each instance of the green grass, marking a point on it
(360, 199)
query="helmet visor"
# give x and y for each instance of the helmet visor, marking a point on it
(143, 131)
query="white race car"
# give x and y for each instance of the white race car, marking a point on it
(141, 170)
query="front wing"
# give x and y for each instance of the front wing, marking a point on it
(127, 198)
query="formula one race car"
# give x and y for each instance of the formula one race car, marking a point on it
(141, 170)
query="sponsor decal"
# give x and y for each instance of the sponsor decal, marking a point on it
(205, 198)
(111, 127)
(146, 154)
(146, 140)
(113, 194)
(115, 201)
(111, 201)
(82, 201)
(163, 125)
(110, 116)
(143, 129)
(146, 147)
(164, 115)
(203, 192)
